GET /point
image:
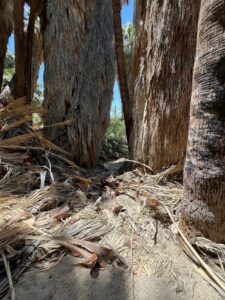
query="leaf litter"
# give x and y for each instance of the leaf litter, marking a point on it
(50, 207)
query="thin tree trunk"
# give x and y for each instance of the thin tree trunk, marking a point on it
(34, 47)
(6, 26)
(20, 48)
(37, 59)
(29, 50)
(121, 66)
(164, 53)
(203, 208)
(79, 74)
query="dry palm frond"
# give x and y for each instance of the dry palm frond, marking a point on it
(209, 246)
(187, 247)
(19, 109)
(16, 124)
(18, 114)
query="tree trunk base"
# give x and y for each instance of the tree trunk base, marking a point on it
(188, 229)
(208, 231)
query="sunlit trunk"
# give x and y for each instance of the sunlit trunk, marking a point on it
(203, 208)
(164, 54)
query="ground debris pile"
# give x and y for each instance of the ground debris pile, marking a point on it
(96, 218)
(21, 141)
(49, 207)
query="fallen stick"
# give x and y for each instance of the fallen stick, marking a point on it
(208, 270)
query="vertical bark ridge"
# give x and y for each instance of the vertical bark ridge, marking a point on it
(79, 74)
(203, 207)
(20, 48)
(6, 26)
(163, 65)
(121, 65)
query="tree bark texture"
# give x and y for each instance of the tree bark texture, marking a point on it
(79, 74)
(36, 59)
(121, 65)
(6, 27)
(34, 47)
(20, 48)
(203, 208)
(29, 53)
(163, 62)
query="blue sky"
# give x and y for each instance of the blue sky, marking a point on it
(127, 17)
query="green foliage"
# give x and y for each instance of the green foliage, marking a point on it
(9, 70)
(38, 97)
(37, 120)
(128, 37)
(116, 129)
(10, 61)
(115, 144)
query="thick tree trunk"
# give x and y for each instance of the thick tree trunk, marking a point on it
(163, 63)
(79, 74)
(20, 48)
(6, 26)
(203, 209)
(121, 65)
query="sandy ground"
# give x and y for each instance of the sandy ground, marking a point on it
(67, 281)
(157, 271)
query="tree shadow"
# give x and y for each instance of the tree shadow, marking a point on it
(68, 281)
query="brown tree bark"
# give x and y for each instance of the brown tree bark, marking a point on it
(79, 74)
(6, 27)
(163, 58)
(29, 50)
(121, 65)
(20, 48)
(37, 59)
(203, 207)
(34, 47)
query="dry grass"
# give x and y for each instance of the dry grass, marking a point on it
(49, 209)
(40, 225)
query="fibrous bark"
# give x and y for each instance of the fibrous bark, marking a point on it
(79, 74)
(203, 208)
(28, 48)
(6, 27)
(20, 48)
(36, 59)
(34, 46)
(164, 53)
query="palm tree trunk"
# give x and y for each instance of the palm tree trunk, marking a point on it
(37, 59)
(163, 58)
(79, 74)
(29, 49)
(34, 47)
(20, 48)
(203, 207)
(121, 66)
(6, 26)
